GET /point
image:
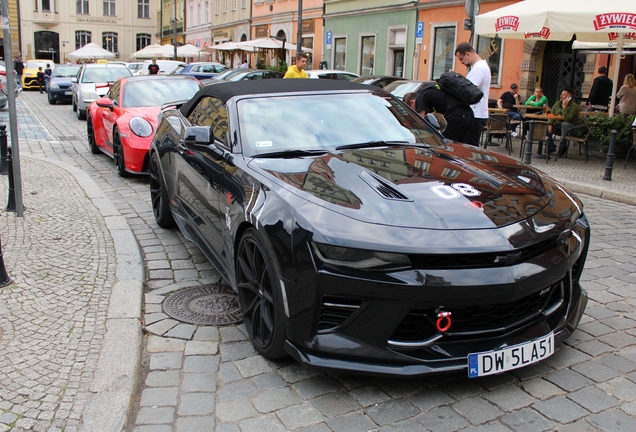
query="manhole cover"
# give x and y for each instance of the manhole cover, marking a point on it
(205, 304)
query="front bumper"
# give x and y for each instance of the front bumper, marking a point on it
(61, 94)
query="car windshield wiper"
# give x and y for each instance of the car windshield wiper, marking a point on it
(290, 153)
(378, 144)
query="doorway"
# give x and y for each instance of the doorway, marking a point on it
(47, 46)
(562, 67)
(398, 63)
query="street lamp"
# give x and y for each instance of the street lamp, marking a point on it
(175, 30)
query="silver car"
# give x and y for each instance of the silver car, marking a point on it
(93, 81)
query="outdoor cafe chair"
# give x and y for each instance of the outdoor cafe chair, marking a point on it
(497, 127)
(632, 148)
(539, 136)
(578, 134)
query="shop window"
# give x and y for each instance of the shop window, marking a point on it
(367, 55)
(340, 53)
(82, 38)
(110, 42)
(443, 50)
(489, 49)
(143, 40)
(308, 42)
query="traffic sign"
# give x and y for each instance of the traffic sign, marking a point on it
(328, 38)
(419, 32)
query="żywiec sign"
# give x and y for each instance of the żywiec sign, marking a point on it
(507, 22)
(615, 20)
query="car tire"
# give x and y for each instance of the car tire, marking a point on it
(74, 106)
(118, 155)
(90, 134)
(81, 114)
(51, 101)
(259, 291)
(159, 194)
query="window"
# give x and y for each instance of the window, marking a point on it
(82, 38)
(143, 40)
(109, 8)
(340, 54)
(216, 6)
(46, 6)
(367, 55)
(211, 112)
(109, 42)
(224, 6)
(143, 8)
(233, 5)
(35, 5)
(82, 6)
(198, 14)
(490, 50)
(443, 50)
(243, 4)
(54, 5)
(207, 12)
(113, 93)
(308, 42)
(191, 17)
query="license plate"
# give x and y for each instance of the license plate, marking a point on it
(514, 357)
(68, 93)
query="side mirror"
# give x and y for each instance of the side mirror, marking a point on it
(201, 135)
(74, 79)
(433, 121)
(105, 103)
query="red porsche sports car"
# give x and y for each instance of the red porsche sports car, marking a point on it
(123, 123)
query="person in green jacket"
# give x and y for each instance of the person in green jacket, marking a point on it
(538, 99)
(569, 109)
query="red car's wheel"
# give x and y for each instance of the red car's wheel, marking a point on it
(90, 134)
(118, 155)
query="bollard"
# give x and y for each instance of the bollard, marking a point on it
(4, 277)
(11, 205)
(609, 162)
(3, 150)
(527, 154)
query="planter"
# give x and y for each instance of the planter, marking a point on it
(593, 148)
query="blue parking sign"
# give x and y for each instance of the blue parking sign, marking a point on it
(419, 32)
(328, 39)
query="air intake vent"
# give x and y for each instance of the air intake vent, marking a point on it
(382, 186)
(334, 311)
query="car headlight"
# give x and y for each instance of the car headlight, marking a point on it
(53, 85)
(140, 127)
(90, 96)
(359, 258)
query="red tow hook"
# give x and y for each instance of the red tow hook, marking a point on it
(443, 321)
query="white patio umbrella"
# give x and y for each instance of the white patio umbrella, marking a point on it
(560, 20)
(227, 46)
(187, 50)
(267, 43)
(167, 50)
(91, 50)
(151, 51)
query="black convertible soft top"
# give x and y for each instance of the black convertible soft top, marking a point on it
(226, 91)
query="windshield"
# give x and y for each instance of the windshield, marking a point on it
(326, 121)
(158, 92)
(228, 74)
(65, 71)
(34, 64)
(400, 89)
(104, 74)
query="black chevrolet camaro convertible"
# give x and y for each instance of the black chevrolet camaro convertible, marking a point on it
(360, 240)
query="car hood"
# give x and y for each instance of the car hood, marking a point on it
(454, 187)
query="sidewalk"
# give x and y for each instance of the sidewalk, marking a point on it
(70, 330)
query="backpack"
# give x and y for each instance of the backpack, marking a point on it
(460, 87)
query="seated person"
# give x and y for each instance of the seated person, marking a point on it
(458, 114)
(569, 109)
(538, 99)
(507, 100)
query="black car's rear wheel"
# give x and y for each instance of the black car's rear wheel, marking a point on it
(258, 280)
(118, 154)
(159, 195)
(90, 134)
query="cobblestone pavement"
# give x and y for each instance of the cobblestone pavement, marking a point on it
(200, 378)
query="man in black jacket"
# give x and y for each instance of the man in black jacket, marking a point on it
(18, 66)
(458, 115)
(601, 90)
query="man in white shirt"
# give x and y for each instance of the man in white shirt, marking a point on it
(479, 74)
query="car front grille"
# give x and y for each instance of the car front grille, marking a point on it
(481, 321)
(334, 311)
(482, 260)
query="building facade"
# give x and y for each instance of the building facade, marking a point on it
(52, 29)
(171, 18)
(371, 37)
(15, 34)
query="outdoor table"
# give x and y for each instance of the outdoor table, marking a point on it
(530, 107)
(498, 110)
(543, 117)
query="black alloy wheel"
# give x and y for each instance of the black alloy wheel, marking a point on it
(159, 195)
(81, 114)
(118, 155)
(258, 280)
(90, 134)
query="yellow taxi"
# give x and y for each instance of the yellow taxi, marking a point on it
(30, 73)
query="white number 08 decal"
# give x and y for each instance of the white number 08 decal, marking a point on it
(455, 190)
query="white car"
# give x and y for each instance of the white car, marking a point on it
(165, 66)
(331, 74)
(93, 81)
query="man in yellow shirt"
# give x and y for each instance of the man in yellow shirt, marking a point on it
(298, 70)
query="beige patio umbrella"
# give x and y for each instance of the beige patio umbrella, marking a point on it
(561, 20)
(91, 50)
(151, 51)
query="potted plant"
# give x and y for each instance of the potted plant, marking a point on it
(602, 132)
